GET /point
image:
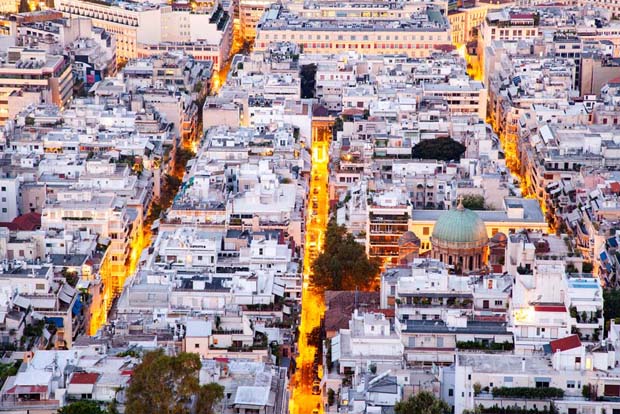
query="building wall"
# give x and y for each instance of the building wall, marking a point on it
(594, 75)
(424, 229)
(9, 190)
(413, 44)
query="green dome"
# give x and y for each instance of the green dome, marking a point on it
(460, 226)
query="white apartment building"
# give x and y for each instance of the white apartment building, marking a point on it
(26, 71)
(143, 26)
(189, 248)
(103, 214)
(368, 340)
(9, 198)
(567, 366)
(464, 96)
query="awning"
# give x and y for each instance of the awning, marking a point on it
(21, 302)
(278, 290)
(336, 348)
(59, 322)
(77, 306)
(542, 379)
(66, 293)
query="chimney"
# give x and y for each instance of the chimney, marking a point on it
(523, 364)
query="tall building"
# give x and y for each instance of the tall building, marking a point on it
(34, 72)
(416, 35)
(144, 26)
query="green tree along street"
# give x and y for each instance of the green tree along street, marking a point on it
(208, 397)
(170, 184)
(82, 407)
(611, 307)
(422, 403)
(164, 384)
(343, 264)
(443, 149)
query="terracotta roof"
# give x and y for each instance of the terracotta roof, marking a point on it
(25, 222)
(320, 111)
(340, 305)
(615, 187)
(84, 378)
(522, 16)
(28, 389)
(445, 48)
(564, 344)
(353, 111)
(550, 308)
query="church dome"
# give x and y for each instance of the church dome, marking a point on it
(460, 227)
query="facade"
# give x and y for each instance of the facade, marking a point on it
(424, 33)
(144, 29)
(28, 71)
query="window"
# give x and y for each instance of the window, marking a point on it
(3, 188)
(196, 345)
(570, 384)
(450, 392)
(498, 303)
(40, 286)
(426, 231)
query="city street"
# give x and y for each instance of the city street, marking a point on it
(303, 401)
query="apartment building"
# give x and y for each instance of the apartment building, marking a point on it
(34, 73)
(388, 216)
(464, 96)
(507, 24)
(608, 5)
(250, 13)
(140, 28)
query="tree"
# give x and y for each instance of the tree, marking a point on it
(444, 149)
(474, 202)
(343, 264)
(611, 304)
(308, 81)
(338, 125)
(164, 384)
(208, 397)
(24, 7)
(81, 407)
(422, 403)
(331, 397)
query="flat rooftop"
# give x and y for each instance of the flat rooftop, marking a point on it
(507, 364)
